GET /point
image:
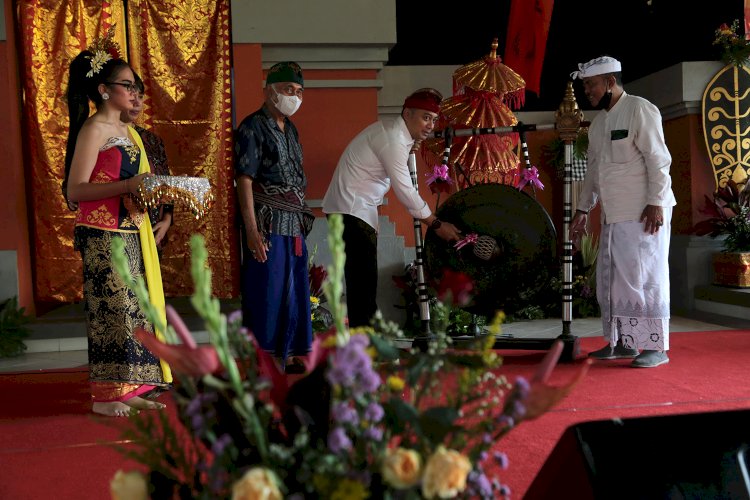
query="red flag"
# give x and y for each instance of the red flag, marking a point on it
(526, 41)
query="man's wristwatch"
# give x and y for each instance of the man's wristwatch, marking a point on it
(435, 224)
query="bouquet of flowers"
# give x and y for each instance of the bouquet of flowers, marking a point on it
(735, 46)
(367, 419)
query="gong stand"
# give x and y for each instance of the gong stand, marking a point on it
(568, 120)
(424, 299)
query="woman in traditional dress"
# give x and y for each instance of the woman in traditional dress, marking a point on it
(161, 214)
(105, 163)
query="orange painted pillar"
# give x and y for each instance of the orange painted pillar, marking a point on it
(14, 217)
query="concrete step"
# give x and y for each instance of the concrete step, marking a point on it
(64, 329)
(725, 301)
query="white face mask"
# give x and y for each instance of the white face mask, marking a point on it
(286, 104)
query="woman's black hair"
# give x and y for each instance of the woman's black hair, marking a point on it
(81, 89)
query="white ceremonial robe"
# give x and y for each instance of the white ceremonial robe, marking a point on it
(632, 284)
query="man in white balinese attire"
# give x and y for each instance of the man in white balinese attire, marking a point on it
(628, 175)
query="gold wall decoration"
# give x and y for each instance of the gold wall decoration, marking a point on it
(726, 124)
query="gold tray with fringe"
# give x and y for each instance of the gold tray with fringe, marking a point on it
(193, 193)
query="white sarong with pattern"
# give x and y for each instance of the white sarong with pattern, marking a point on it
(632, 284)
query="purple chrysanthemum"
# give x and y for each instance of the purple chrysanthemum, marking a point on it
(374, 433)
(338, 441)
(342, 413)
(501, 459)
(351, 367)
(374, 412)
(235, 317)
(480, 484)
(522, 387)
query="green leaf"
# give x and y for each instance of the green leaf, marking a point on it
(398, 414)
(385, 349)
(415, 371)
(473, 360)
(437, 422)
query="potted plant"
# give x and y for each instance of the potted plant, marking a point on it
(554, 153)
(729, 217)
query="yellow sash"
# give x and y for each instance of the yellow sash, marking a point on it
(151, 260)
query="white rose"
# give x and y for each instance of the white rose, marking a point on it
(258, 483)
(128, 486)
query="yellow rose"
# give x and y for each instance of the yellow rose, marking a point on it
(128, 486)
(401, 468)
(445, 474)
(258, 483)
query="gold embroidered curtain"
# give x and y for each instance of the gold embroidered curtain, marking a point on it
(181, 49)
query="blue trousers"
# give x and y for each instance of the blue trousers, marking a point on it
(276, 298)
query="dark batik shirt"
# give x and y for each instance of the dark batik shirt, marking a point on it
(271, 158)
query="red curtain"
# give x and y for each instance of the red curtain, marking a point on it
(526, 41)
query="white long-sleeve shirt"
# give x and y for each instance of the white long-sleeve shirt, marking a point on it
(628, 162)
(372, 163)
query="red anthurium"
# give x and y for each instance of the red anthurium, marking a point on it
(318, 275)
(193, 361)
(268, 367)
(542, 396)
(320, 350)
(279, 381)
(455, 288)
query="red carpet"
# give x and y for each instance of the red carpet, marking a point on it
(708, 371)
(52, 447)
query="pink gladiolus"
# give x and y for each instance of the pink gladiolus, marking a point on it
(174, 319)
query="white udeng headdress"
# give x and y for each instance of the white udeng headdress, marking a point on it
(600, 66)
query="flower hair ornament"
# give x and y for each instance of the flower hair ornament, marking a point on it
(104, 49)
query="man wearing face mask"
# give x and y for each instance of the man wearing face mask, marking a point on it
(373, 162)
(628, 176)
(275, 220)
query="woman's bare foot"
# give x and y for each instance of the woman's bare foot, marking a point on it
(112, 409)
(144, 404)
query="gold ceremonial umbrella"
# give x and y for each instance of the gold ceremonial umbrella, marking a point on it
(485, 158)
(490, 74)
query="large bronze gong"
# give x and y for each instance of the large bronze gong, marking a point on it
(526, 255)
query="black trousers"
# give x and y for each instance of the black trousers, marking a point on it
(360, 270)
